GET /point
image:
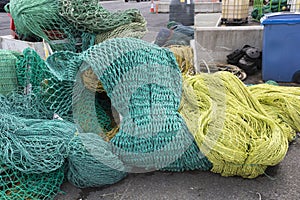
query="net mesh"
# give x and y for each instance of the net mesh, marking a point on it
(73, 25)
(281, 103)
(231, 127)
(37, 146)
(143, 83)
(8, 81)
(15, 185)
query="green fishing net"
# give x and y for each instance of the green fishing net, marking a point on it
(91, 162)
(16, 185)
(143, 82)
(73, 25)
(8, 80)
(32, 151)
(90, 16)
(37, 146)
(56, 90)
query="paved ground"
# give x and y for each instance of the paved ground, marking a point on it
(281, 182)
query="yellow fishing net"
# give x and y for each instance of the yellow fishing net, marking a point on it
(230, 126)
(282, 103)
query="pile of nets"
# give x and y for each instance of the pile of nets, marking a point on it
(143, 82)
(73, 25)
(281, 103)
(174, 34)
(39, 149)
(125, 105)
(231, 127)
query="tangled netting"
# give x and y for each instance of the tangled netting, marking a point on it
(282, 103)
(231, 127)
(8, 81)
(174, 34)
(73, 25)
(57, 94)
(38, 147)
(143, 82)
(185, 58)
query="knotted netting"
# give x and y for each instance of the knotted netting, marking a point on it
(16, 185)
(8, 81)
(90, 16)
(231, 127)
(32, 151)
(73, 24)
(143, 82)
(281, 102)
(36, 149)
(91, 162)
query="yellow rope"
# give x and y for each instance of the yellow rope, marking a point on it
(110, 134)
(230, 126)
(185, 58)
(282, 103)
(91, 82)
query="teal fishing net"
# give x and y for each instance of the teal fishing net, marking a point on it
(91, 162)
(8, 81)
(16, 185)
(37, 146)
(73, 25)
(143, 82)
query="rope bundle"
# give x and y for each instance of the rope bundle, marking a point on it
(282, 103)
(230, 126)
(185, 58)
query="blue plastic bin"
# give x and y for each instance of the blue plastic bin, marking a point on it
(281, 47)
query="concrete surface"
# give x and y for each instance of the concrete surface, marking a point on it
(281, 182)
(213, 44)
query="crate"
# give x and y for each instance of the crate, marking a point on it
(262, 7)
(235, 11)
(281, 42)
(294, 5)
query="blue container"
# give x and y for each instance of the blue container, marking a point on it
(281, 47)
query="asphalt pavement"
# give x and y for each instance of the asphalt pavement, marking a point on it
(281, 182)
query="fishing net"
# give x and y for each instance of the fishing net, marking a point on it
(16, 185)
(37, 20)
(37, 147)
(143, 82)
(185, 58)
(90, 16)
(92, 163)
(55, 90)
(73, 25)
(8, 78)
(230, 126)
(167, 37)
(281, 103)
(32, 151)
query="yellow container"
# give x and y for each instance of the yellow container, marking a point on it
(235, 11)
